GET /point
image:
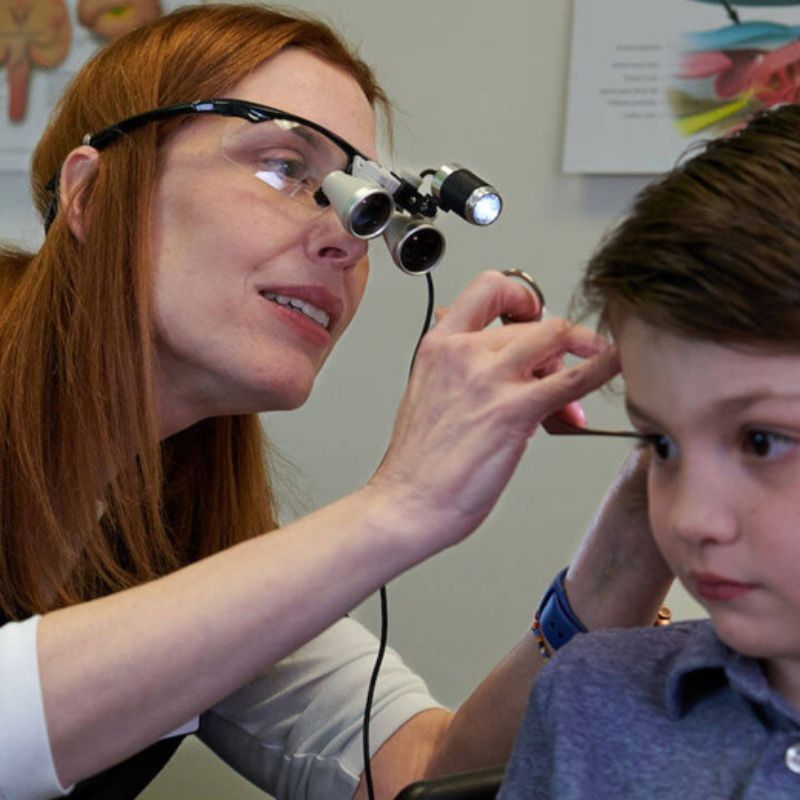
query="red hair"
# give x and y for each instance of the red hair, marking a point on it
(79, 425)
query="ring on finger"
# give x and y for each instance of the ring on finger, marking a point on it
(513, 272)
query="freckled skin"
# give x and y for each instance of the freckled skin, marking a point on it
(220, 237)
(724, 481)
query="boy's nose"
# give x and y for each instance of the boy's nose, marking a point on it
(703, 509)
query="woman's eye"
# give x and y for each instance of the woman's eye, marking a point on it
(662, 446)
(766, 444)
(285, 172)
(294, 169)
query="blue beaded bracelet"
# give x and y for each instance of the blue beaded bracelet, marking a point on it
(555, 617)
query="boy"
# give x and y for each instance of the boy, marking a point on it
(700, 288)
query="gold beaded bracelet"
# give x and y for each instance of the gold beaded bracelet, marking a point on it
(541, 642)
(664, 617)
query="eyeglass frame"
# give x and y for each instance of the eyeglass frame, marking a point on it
(219, 106)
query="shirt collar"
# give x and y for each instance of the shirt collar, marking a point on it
(705, 665)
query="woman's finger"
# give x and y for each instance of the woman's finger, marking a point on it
(540, 346)
(555, 391)
(571, 416)
(490, 296)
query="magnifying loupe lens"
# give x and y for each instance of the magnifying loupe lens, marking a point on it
(369, 216)
(416, 245)
(421, 250)
(363, 207)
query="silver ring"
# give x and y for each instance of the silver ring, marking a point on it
(513, 272)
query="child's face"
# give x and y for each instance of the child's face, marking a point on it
(724, 480)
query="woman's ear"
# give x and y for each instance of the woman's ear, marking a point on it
(78, 168)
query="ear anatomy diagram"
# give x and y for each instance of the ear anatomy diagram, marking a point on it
(32, 33)
(111, 18)
(729, 73)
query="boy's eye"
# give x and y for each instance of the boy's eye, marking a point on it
(766, 444)
(661, 445)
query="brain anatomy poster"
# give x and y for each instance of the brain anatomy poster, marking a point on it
(42, 44)
(648, 78)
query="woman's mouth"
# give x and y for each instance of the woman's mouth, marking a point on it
(322, 318)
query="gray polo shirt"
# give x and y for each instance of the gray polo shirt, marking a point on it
(655, 713)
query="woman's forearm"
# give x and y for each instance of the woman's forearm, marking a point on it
(616, 579)
(119, 672)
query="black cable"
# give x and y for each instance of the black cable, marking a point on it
(732, 13)
(384, 636)
(428, 319)
(371, 691)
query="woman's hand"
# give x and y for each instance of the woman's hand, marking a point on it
(475, 397)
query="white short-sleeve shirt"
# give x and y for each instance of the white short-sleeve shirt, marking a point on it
(295, 731)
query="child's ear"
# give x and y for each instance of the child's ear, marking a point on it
(76, 171)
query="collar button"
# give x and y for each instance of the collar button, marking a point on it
(792, 758)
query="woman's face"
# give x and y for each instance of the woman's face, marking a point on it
(224, 243)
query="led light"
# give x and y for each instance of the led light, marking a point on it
(484, 206)
(457, 189)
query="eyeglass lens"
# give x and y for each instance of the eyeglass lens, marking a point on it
(288, 156)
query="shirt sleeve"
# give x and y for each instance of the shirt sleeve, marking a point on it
(529, 771)
(296, 730)
(27, 771)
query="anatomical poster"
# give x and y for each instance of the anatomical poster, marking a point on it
(42, 45)
(648, 78)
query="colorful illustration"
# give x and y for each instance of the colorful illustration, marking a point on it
(32, 33)
(657, 77)
(50, 34)
(729, 73)
(111, 18)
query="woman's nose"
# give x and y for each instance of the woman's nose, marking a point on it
(328, 243)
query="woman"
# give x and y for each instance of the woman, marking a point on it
(175, 296)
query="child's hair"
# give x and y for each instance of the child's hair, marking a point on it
(77, 409)
(712, 250)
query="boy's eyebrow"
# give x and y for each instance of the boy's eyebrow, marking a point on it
(727, 405)
(731, 405)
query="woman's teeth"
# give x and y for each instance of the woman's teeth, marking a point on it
(317, 314)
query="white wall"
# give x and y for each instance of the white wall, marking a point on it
(483, 84)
